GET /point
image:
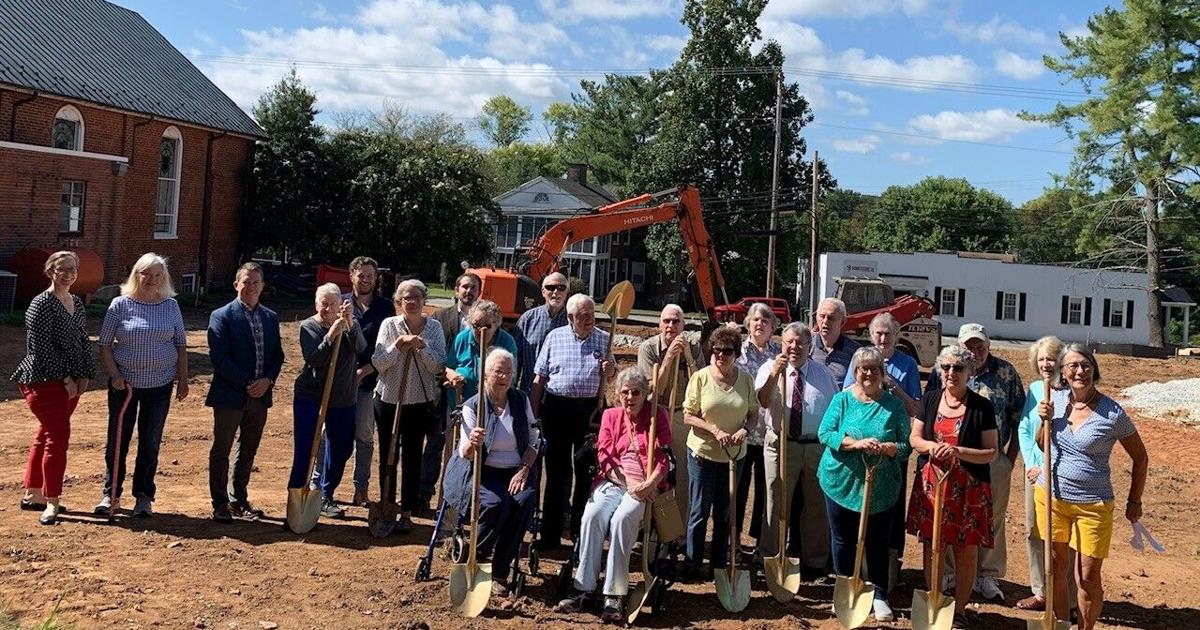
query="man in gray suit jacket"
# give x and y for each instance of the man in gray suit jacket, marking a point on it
(452, 318)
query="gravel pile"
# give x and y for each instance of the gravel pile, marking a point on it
(1174, 399)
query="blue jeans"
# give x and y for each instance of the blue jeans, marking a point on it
(338, 443)
(708, 492)
(148, 413)
(364, 443)
(843, 530)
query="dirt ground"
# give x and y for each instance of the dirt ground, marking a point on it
(181, 570)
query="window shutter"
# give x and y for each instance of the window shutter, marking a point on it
(999, 305)
(1107, 310)
(937, 300)
(1129, 313)
(1021, 307)
(1066, 306)
(962, 302)
(1087, 311)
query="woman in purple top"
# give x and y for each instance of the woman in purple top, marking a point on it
(143, 346)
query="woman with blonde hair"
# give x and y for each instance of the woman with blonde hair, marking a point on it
(143, 346)
(56, 369)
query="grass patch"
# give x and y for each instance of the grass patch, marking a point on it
(9, 621)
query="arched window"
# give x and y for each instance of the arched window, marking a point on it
(166, 213)
(68, 129)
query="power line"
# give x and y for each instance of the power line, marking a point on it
(928, 137)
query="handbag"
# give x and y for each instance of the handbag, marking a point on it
(665, 506)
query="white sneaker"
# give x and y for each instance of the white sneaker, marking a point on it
(883, 612)
(988, 588)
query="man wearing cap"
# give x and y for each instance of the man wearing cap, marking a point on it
(533, 325)
(656, 357)
(998, 381)
(830, 346)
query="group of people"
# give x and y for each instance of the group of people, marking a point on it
(848, 409)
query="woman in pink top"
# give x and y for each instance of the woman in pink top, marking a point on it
(620, 493)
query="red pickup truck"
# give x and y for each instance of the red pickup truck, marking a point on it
(737, 311)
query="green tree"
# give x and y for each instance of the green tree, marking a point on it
(290, 199)
(503, 120)
(560, 119)
(938, 213)
(1046, 229)
(1138, 129)
(844, 217)
(514, 164)
(609, 123)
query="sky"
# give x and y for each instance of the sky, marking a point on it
(900, 89)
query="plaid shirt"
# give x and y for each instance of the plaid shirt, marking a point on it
(530, 333)
(750, 362)
(571, 366)
(260, 342)
(145, 340)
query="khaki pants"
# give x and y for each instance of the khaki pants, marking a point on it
(803, 460)
(679, 435)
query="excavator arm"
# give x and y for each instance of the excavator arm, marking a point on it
(681, 203)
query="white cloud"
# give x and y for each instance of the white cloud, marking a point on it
(991, 125)
(667, 43)
(322, 14)
(796, 39)
(1011, 64)
(863, 145)
(911, 73)
(854, 105)
(574, 11)
(905, 157)
(998, 30)
(854, 9)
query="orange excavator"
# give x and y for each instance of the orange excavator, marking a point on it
(515, 292)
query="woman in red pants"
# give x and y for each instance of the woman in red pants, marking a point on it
(56, 369)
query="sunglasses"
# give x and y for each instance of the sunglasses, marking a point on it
(955, 367)
(724, 351)
(555, 287)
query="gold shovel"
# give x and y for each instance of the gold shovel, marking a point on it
(471, 581)
(733, 586)
(637, 598)
(783, 572)
(617, 305)
(381, 515)
(304, 503)
(852, 595)
(930, 609)
(1047, 621)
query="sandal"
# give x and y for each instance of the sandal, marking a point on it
(1033, 602)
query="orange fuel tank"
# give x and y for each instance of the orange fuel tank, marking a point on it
(28, 263)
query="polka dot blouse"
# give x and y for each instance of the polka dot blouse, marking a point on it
(56, 342)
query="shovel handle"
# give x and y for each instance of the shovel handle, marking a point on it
(394, 443)
(323, 411)
(116, 458)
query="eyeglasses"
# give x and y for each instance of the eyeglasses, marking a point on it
(66, 271)
(724, 351)
(500, 373)
(555, 287)
(953, 367)
(1079, 367)
(869, 369)
(671, 320)
(410, 298)
(632, 393)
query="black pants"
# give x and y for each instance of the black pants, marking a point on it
(503, 518)
(843, 529)
(431, 461)
(753, 467)
(247, 424)
(899, 515)
(415, 420)
(565, 426)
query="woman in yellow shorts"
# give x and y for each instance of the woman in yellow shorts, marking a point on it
(1084, 427)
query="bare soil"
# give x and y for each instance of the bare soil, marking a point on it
(181, 570)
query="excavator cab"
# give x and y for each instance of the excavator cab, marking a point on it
(514, 293)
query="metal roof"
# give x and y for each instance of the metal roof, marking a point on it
(1177, 295)
(96, 51)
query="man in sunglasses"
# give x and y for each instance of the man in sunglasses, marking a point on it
(658, 354)
(998, 381)
(533, 325)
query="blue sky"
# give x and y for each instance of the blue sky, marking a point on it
(901, 89)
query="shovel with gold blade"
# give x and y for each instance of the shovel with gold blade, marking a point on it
(304, 503)
(1048, 621)
(637, 598)
(852, 595)
(930, 609)
(733, 586)
(471, 581)
(783, 572)
(617, 305)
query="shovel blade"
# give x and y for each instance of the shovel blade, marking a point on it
(303, 509)
(930, 611)
(381, 518)
(852, 600)
(1046, 622)
(732, 590)
(637, 598)
(469, 592)
(783, 577)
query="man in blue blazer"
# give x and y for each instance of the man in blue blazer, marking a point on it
(246, 354)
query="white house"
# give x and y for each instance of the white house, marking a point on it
(1013, 300)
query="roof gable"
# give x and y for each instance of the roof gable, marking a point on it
(95, 51)
(559, 194)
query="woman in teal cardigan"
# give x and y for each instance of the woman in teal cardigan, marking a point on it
(864, 424)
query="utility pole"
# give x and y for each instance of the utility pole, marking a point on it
(775, 184)
(815, 238)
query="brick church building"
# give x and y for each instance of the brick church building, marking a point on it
(110, 139)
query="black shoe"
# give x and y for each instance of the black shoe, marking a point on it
(243, 510)
(32, 506)
(222, 514)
